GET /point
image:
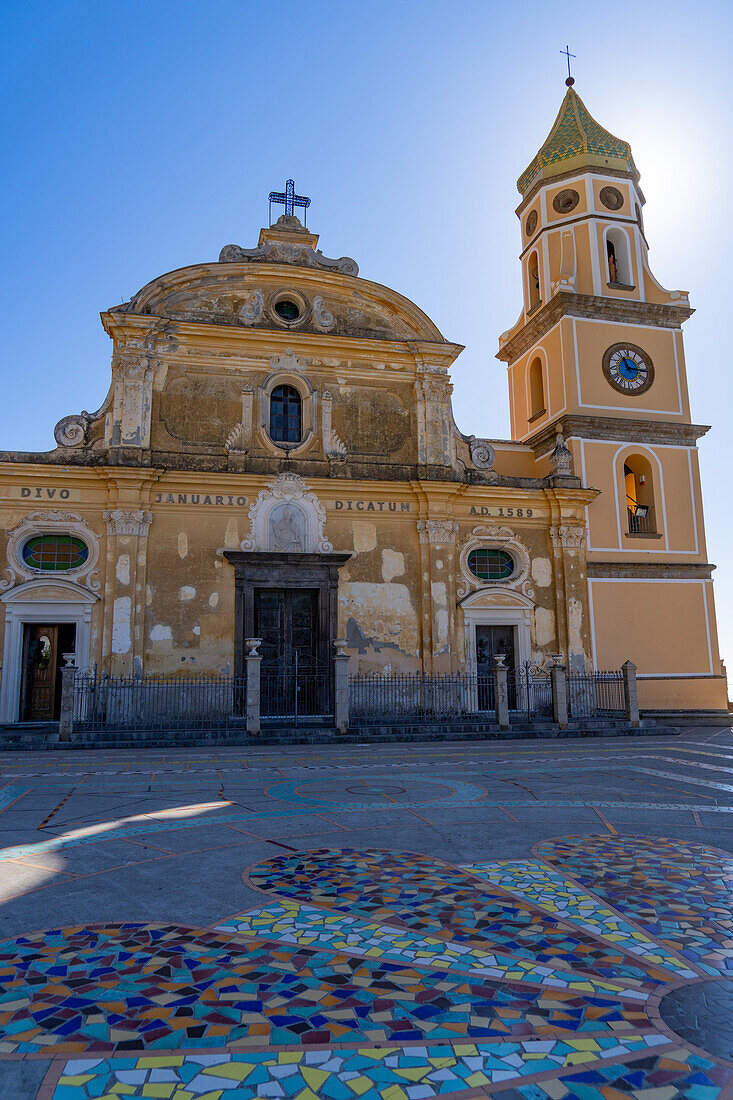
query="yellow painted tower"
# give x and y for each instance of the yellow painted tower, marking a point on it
(597, 354)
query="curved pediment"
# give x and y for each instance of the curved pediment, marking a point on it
(246, 294)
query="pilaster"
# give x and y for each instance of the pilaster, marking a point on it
(127, 532)
(437, 546)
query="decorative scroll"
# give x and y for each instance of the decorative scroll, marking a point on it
(71, 431)
(483, 454)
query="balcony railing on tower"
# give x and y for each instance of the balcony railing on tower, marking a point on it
(641, 519)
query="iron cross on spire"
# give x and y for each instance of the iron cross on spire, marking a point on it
(289, 200)
(567, 54)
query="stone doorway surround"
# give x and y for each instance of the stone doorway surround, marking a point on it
(262, 569)
(497, 607)
(39, 601)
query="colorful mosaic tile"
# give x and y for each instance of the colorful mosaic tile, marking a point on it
(427, 895)
(675, 1074)
(131, 986)
(307, 926)
(679, 893)
(533, 880)
(522, 982)
(375, 1073)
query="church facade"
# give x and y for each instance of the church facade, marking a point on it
(277, 458)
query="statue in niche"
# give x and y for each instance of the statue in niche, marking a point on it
(612, 267)
(287, 530)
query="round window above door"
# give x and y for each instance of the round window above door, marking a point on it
(55, 553)
(490, 564)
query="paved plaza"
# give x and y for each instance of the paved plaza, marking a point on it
(540, 919)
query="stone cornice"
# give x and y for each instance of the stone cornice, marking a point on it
(617, 310)
(267, 341)
(615, 428)
(597, 570)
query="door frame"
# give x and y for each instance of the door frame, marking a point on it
(259, 569)
(477, 614)
(21, 608)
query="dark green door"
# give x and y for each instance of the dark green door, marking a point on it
(287, 621)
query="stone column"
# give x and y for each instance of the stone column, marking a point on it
(501, 691)
(66, 715)
(252, 665)
(341, 687)
(559, 694)
(631, 697)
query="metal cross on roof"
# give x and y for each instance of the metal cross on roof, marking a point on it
(567, 54)
(289, 199)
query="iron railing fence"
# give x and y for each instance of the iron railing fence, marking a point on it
(303, 692)
(596, 694)
(530, 693)
(374, 697)
(641, 519)
(299, 690)
(160, 702)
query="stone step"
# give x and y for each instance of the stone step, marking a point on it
(383, 734)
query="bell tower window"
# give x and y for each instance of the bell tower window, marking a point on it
(536, 390)
(639, 492)
(286, 415)
(533, 280)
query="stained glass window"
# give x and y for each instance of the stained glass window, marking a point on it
(491, 565)
(285, 415)
(55, 553)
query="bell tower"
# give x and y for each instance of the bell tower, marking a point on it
(597, 354)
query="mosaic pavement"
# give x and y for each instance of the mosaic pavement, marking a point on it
(598, 968)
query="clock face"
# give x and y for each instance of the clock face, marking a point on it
(628, 368)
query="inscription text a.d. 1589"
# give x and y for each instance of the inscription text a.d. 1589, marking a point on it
(484, 510)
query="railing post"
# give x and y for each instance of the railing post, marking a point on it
(66, 714)
(559, 682)
(252, 662)
(631, 696)
(341, 687)
(501, 691)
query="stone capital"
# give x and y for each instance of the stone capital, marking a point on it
(122, 521)
(437, 530)
(567, 536)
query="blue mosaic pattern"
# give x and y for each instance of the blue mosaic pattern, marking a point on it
(308, 926)
(679, 893)
(392, 977)
(377, 1073)
(558, 895)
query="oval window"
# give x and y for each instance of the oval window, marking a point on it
(55, 553)
(289, 311)
(491, 565)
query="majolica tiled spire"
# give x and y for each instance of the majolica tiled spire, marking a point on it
(576, 140)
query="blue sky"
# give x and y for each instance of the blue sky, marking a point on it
(143, 136)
